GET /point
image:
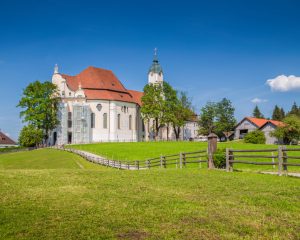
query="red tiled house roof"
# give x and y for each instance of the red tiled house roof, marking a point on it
(98, 83)
(261, 122)
(5, 140)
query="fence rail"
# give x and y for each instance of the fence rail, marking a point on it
(279, 158)
(179, 160)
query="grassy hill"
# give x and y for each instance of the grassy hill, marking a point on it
(46, 194)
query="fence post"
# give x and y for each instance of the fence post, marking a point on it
(273, 160)
(280, 160)
(184, 160)
(212, 148)
(180, 160)
(161, 161)
(120, 165)
(148, 164)
(284, 160)
(165, 162)
(137, 165)
(227, 160)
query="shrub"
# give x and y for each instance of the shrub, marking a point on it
(255, 137)
(220, 158)
(30, 136)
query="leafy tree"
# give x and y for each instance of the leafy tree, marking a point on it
(217, 117)
(182, 112)
(170, 107)
(290, 131)
(295, 110)
(225, 120)
(207, 118)
(30, 136)
(40, 104)
(277, 113)
(255, 137)
(257, 113)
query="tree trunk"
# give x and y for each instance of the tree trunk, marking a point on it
(168, 131)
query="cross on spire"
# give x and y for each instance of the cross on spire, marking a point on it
(155, 51)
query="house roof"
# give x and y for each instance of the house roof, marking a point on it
(98, 83)
(5, 140)
(274, 122)
(261, 122)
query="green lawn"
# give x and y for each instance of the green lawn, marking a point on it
(143, 150)
(43, 159)
(45, 194)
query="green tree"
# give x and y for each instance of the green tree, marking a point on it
(295, 110)
(289, 131)
(207, 118)
(255, 137)
(278, 113)
(225, 120)
(30, 136)
(40, 104)
(170, 106)
(257, 113)
(182, 112)
(282, 113)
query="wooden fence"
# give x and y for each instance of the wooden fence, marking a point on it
(279, 157)
(180, 160)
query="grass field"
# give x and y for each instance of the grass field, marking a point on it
(143, 150)
(45, 194)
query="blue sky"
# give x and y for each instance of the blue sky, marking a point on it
(211, 49)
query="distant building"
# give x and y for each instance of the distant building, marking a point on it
(6, 141)
(249, 124)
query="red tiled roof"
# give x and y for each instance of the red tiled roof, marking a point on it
(259, 122)
(137, 96)
(98, 83)
(6, 140)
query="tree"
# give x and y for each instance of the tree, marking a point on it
(40, 102)
(170, 107)
(30, 136)
(295, 110)
(289, 131)
(182, 112)
(257, 113)
(255, 137)
(218, 118)
(278, 113)
(207, 118)
(225, 120)
(159, 102)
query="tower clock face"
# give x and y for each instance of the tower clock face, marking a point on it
(99, 107)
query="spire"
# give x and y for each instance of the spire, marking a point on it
(155, 67)
(55, 69)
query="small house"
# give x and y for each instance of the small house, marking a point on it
(6, 141)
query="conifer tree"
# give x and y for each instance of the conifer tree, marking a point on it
(278, 113)
(257, 113)
(295, 110)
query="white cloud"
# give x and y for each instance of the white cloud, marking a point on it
(258, 100)
(284, 83)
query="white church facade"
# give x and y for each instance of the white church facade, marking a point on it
(96, 107)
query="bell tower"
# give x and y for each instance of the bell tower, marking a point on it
(155, 74)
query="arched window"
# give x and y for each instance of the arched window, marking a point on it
(104, 120)
(130, 122)
(119, 121)
(92, 120)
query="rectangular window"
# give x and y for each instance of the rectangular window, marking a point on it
(130, 122)
(92, 120)
(119, 121)
(104, 120)
(69, 119)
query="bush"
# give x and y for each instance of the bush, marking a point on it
(220, 158)
(255, 137)
(30, 136)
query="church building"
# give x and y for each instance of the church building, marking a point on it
(96, 107)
